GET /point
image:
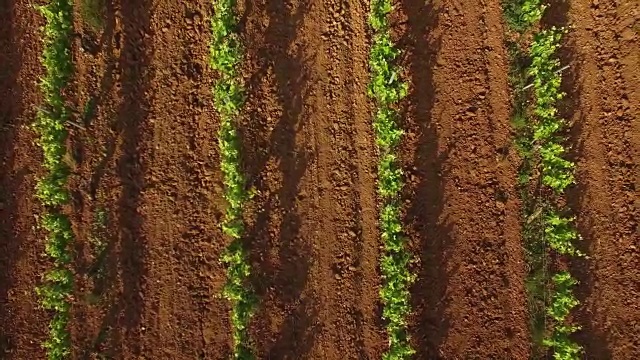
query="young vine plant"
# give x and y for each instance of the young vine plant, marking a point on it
(225, 58)
(56, 290)
(387, 89)
(522, 14)
(557, 174)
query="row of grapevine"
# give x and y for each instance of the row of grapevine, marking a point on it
(56, 290)
(226, 57)
(557, 174)
(387, 89)
(546, 167)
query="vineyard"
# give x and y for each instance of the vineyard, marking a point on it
(339, 179)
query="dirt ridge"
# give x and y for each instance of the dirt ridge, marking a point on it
(468, 229)
(605, 93)
(21, 251)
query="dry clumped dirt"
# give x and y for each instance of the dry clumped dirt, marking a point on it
(147, 187)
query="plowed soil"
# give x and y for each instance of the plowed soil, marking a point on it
(22, 322)
(147, 191)
(462, 207)
(604, 101)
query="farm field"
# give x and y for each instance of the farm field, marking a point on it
(336, 179)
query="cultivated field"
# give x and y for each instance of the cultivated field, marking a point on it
(319, 179)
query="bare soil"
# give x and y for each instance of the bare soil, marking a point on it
(23, 323)
(147, 192)
(462, 208)
(603, 102)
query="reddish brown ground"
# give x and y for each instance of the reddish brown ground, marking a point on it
(462, 207)
(604, 99)
(149, 157)
(22, 324)
(146, 154)
(310, 157)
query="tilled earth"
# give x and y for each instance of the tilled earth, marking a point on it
(147, 194)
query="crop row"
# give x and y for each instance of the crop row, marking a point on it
(226, 57)
(387, 89)
(57, 286)
(557, 174)
(541, 145)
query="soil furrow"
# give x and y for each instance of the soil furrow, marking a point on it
(132, 125)
(370, 338)
(158, 146)
(462, 209)
(111, 85)
(23, 326)
(94, 102)
(346, 174)
(311, 160)
(606, 153)
(279, 156)
(185, 313)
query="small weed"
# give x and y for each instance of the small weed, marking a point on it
(93, 13)
(99, 226)
(99, 242)
(89, 110)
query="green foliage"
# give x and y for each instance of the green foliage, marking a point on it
(389, 176)
(522, 14)
(51, 119)
(58, 344)
(561, 304)
(225, 56)
(385, 126)
(92, 12)
(241, 297)
(540, 145)
(557, 174)
(59, 238)
(387, 88)
(55, 292)
(560, 234)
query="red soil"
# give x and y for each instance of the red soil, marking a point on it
(462, 207)
(23, 325)
(604, 101)
(145, 153)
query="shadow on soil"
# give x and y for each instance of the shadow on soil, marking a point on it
(134, 63)
(592, 338)
(96, 246)
(425, 189)
(11, 240)
(108, 40)
(281, 279)
(123, 257)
